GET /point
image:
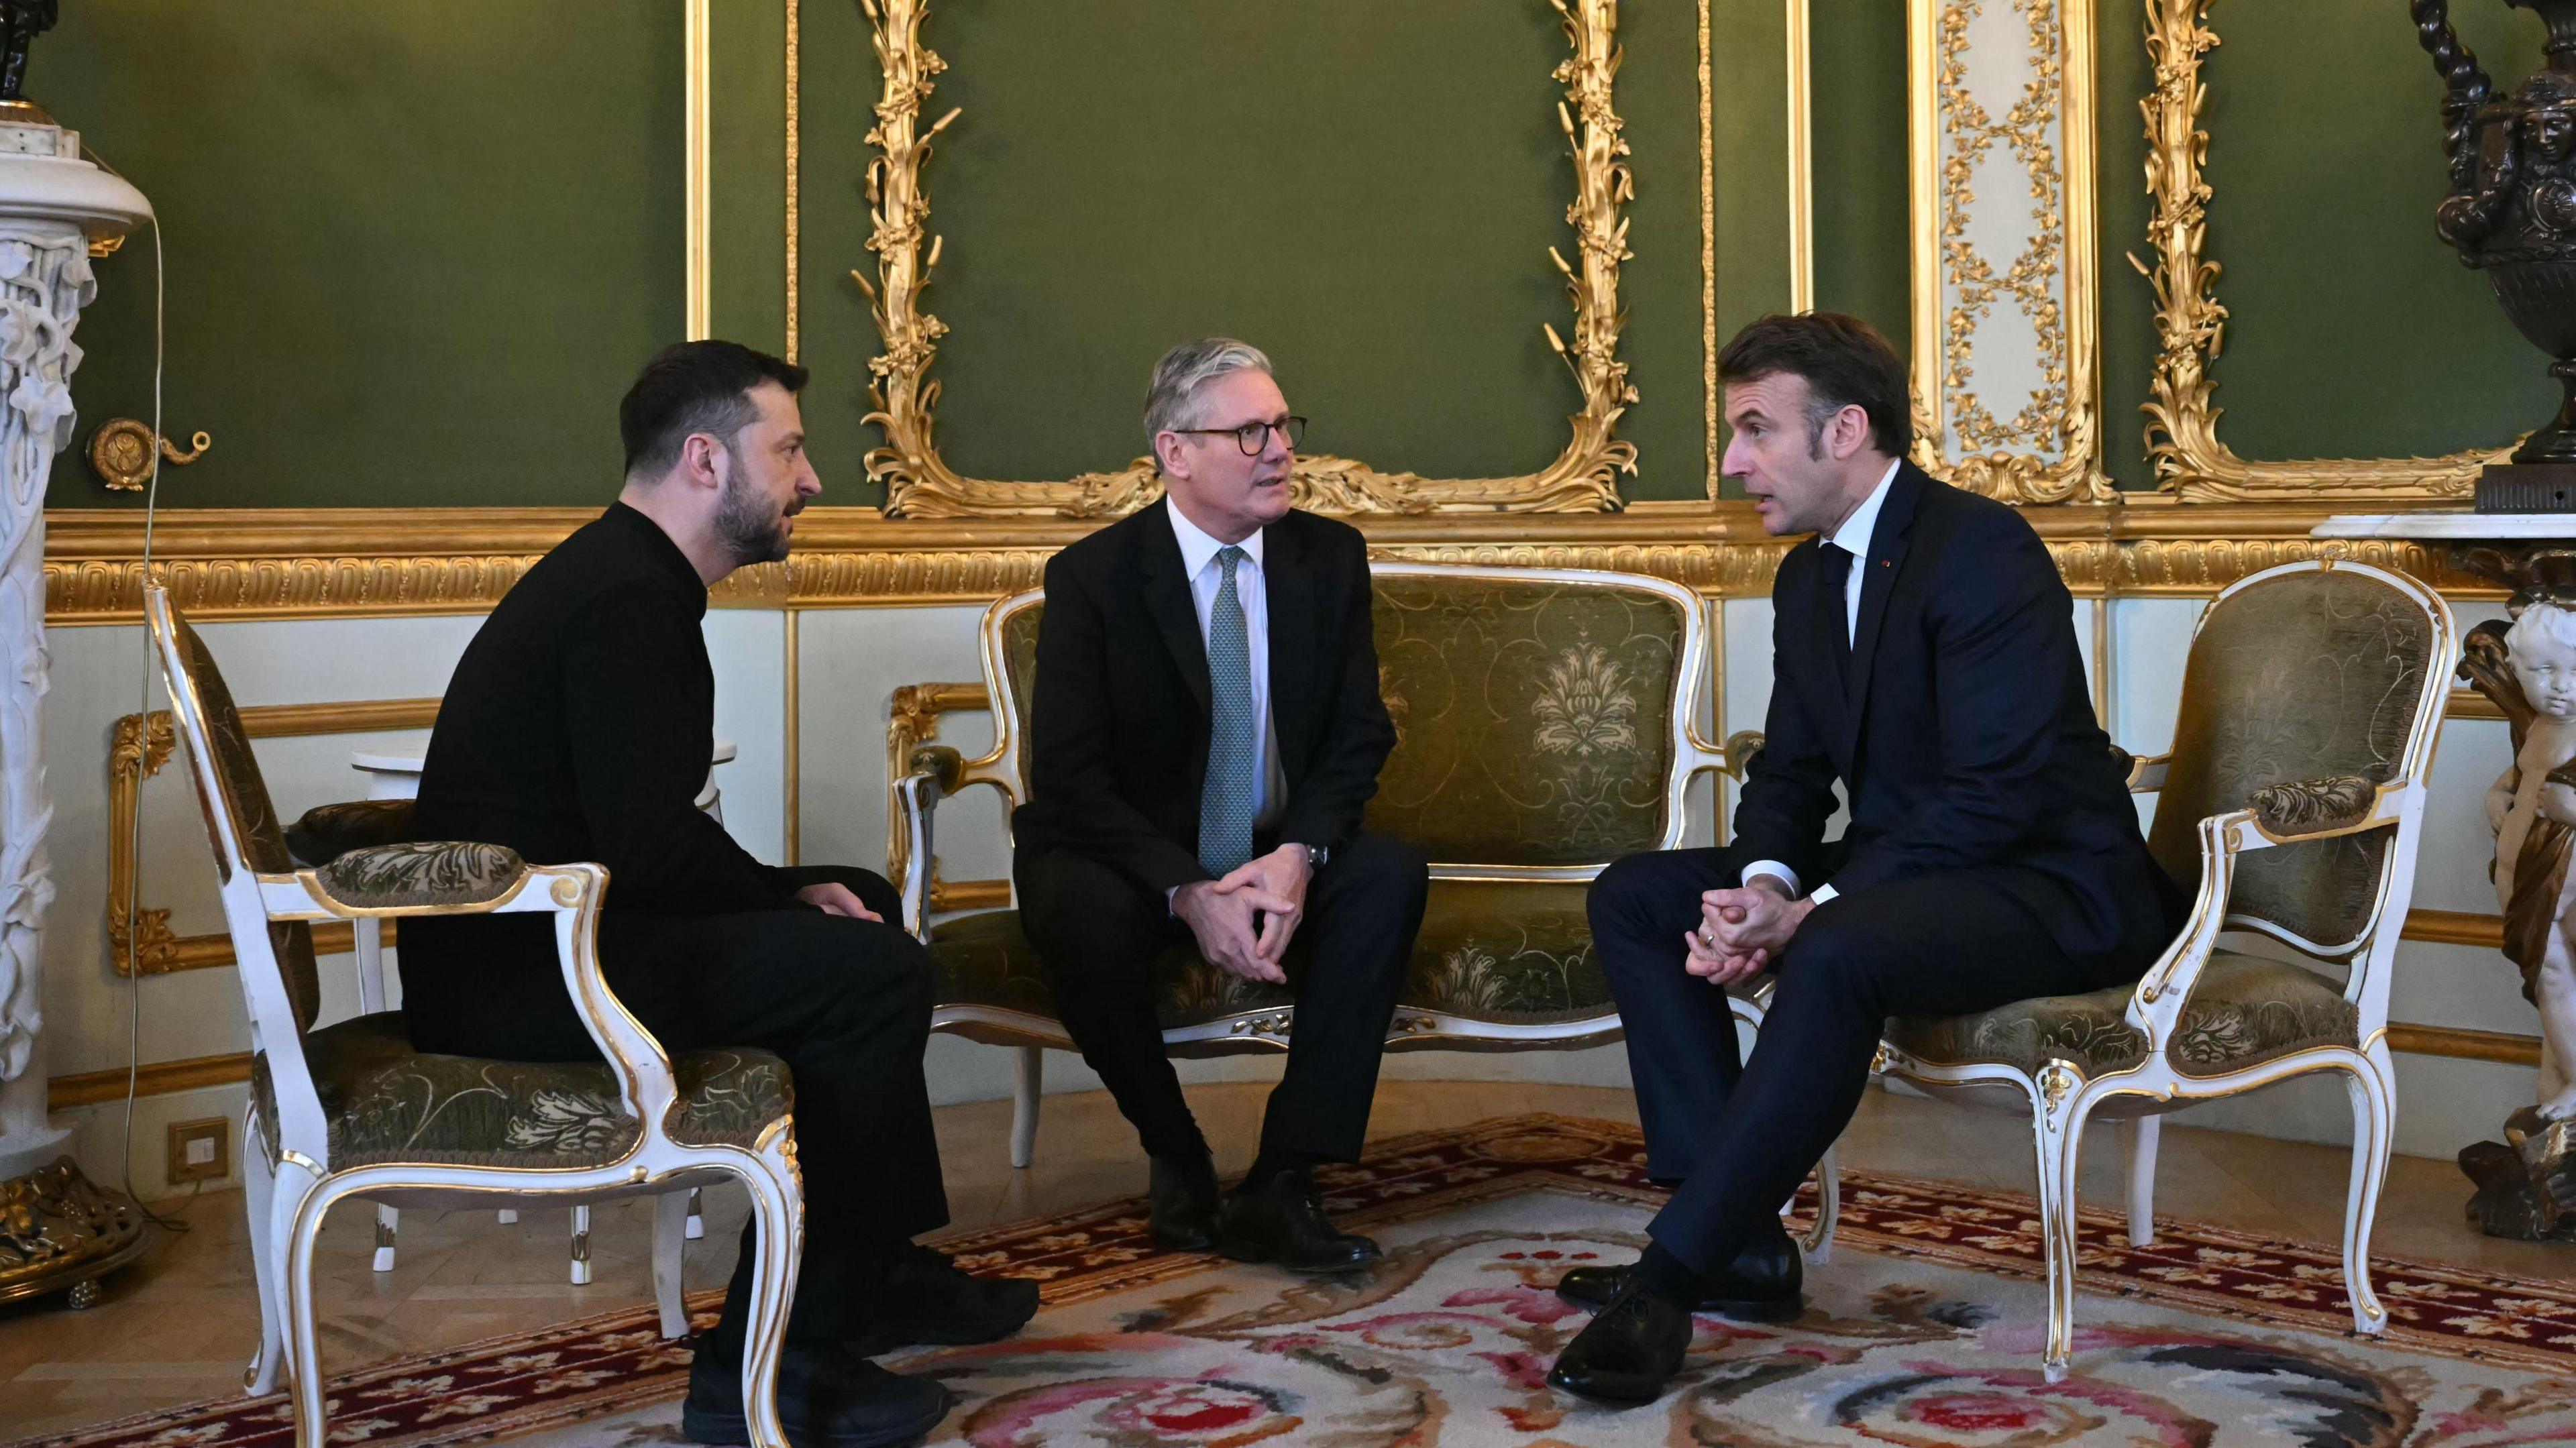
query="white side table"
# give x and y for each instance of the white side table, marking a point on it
(395, 774)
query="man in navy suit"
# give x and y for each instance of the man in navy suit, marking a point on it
(1923, 656)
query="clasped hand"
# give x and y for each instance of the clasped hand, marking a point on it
(1741, 930)
(1243, 921)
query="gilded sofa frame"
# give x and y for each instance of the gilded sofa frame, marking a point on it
(2061, 1098)
(939, 771)
(289, 1182)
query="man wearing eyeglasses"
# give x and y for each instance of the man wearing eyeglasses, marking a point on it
(1204, 730)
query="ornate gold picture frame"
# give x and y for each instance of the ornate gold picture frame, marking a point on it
(2035, 436)
(920, 484)
(2190, 459)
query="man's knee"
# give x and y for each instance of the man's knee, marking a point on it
(1383, 864)
(1642, 892)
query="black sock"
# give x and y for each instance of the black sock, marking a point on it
(1274, 1162)
(1670, 1278)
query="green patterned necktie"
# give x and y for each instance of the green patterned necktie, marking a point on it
(1225, 804)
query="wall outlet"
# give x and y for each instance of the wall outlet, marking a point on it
(200, 1150)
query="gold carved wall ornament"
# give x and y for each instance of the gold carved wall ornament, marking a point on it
(2182, 428)
(2007, 369)
(920, 484)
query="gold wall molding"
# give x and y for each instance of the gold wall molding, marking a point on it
(2190, 458)
(2048, 450)
(138, 746)
(920, 484)
(244, 564)
(161, 1078)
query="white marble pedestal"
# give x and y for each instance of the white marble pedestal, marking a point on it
(57, 1231)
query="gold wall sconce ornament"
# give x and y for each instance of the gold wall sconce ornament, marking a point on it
(120, 452)
(919, 483)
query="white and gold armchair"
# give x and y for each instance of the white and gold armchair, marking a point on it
(2294, 796)
(351, 1110)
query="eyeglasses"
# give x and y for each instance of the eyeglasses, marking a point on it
(1253, 436)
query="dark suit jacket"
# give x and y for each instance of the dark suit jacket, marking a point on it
(1118, 721)
(1963, 734)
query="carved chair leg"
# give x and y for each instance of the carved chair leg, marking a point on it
(2374, 1122)
(2057, 1124)
(388, 1226)
(1818, 1243)
(581, 1246)
(259, 1192)
(308, 1389)
(670, 1219)
(2146, 1131)
(776, 1213)
(1025, 1092)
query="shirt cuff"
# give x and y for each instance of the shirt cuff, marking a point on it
(1775, 869)
(1823, 894)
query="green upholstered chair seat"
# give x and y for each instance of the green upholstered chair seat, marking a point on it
(386, 1102)
(2243, 1011)
(1518, 953)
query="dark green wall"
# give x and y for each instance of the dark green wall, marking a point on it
(417, 250)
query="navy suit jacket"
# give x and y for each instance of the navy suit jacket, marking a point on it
(1962, 733)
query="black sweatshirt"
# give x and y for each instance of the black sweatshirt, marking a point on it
(577, 727)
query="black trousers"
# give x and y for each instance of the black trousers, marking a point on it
(1738, 1136)
(1098, 933)
(846, 1003)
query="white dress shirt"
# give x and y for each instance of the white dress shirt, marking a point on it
(1206, 576)
(1853, 538)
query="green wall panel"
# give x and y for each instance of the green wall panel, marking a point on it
(2352, 330)
(1368, 192)
(416, 250)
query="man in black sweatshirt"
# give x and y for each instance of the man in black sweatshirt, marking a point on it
(577, 727)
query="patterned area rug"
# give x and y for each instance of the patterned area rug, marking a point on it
(1927, 1335)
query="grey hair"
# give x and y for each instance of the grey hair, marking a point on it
(1171, 403)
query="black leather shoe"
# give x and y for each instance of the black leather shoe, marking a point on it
(1628, 1352)
(1181, 1204)
(1283, 1223)
(1763, 1284)
(828, 1397)
(926, 1299)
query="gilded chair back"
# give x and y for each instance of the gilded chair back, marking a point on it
(1539, 713)
(2301, 673)
(248, 838)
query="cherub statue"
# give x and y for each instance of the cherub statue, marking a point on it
(2532, 809)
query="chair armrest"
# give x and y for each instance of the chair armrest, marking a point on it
(328, 831)
(2315, 809)
(429, 877)
(938, 771)
(2145, 772)
(1731, 758)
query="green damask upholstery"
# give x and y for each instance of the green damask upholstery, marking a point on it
(2244, 1010)
(424, 873)
(254, 820)
(327, 831)
(386, 1102)
(1517, 953)
(1530, 716)
(2304, 677)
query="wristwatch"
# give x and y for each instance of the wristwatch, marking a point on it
(1317, 856)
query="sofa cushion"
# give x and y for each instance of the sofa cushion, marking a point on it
(386, 1102)
(2243, 1010)
(1514, 952)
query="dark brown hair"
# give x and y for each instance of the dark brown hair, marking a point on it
(694, 387)
(1846, 364)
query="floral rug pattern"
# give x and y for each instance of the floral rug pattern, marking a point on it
(1927, 1335)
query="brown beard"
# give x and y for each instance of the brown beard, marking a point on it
(749, 531)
